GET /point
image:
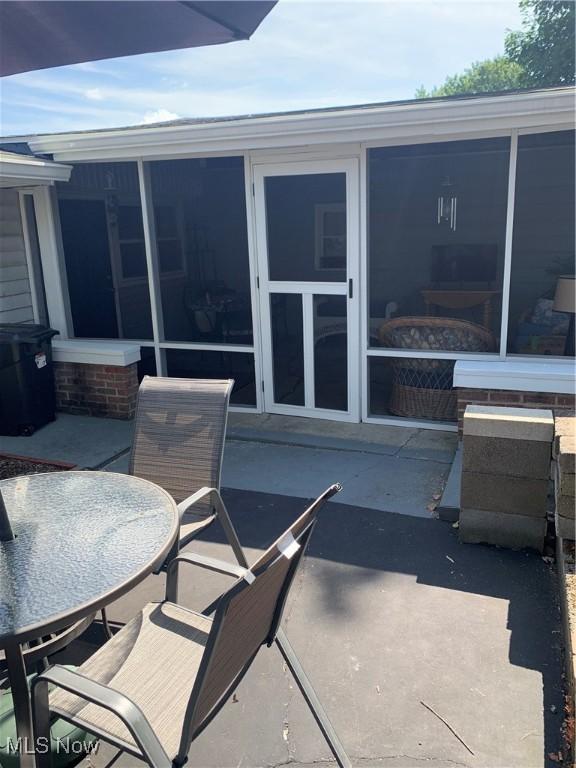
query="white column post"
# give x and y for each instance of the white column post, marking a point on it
(149, 225)
(52, 258)
(508, 242)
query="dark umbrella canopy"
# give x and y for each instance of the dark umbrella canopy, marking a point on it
(37, 35)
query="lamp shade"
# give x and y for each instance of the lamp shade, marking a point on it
(565, 298)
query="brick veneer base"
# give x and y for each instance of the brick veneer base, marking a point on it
(96, 390)
(556, 402)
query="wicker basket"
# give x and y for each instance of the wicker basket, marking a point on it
(422, 388)
(420, 403)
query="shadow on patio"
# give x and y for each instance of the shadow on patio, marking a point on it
(391, 611)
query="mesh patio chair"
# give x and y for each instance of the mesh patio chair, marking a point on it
(179, 434)
(156, 685)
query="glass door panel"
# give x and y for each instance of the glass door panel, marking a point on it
(330, 352)
(306, 227)
(287, 348)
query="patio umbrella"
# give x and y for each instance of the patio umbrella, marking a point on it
(37, 35)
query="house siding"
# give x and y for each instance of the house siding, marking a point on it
(15, 292)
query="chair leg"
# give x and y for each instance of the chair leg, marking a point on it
(106, 625)
(41, 716)
(229, 530)
(312, 700)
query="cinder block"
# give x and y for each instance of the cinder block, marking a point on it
(565, 483)
(567, 454)
(566, 506)
(479, 526)
(565, 528)
(564, 425)
(533, 424)
(501, 456)
(500, 493)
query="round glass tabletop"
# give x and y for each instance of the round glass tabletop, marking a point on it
(81, 540)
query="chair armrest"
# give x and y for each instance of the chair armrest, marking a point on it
(184, 505)
(209, 563)
(108, 698)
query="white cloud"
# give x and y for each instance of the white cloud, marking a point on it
(95, 94)
(159, 116)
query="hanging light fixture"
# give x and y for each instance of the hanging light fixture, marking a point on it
(447, 202)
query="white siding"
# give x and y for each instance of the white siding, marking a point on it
(15, 296)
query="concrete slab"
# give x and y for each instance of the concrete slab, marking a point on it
(320, 433)
(481, 526)
(499, 493)
(85, 441)
(511, 423)
(431, 445)
(449, 507)
(389, 611)
(377, 482)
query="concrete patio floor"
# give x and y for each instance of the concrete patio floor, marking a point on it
(389, 610)
(380, 467)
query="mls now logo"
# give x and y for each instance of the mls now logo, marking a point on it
(43, 745)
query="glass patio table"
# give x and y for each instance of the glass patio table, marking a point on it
(82, 539)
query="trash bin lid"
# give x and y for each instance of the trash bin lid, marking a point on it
(14, 333)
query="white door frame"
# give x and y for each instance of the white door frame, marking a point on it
(308, 289)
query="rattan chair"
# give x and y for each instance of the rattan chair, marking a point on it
(422, 387)
(179, 434)
(156, 685)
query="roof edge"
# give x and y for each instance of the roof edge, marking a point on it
(356, 123)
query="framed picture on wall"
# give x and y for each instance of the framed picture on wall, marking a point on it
(330, 236)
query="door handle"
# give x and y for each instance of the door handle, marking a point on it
(350, 288)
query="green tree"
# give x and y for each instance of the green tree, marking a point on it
(498, 74)
(540, 55)
(545, 46)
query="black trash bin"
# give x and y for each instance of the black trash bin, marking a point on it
(27, 398)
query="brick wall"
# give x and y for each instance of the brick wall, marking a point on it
(96, 390)
(557, 403)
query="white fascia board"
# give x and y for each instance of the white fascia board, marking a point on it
(22, 170)
(554, 376)
(413, 120)
(95, 352)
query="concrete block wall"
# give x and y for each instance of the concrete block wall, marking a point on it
(558, 403)
(563, 472)
(96, 390)
(505, 475)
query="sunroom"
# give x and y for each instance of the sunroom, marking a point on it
(357, 264)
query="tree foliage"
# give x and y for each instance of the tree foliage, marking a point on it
(545, 47)
(498, 74)
(540, 55)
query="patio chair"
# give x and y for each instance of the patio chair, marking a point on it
(155, 686)
(179, 434)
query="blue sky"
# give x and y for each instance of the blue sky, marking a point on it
(305, 54)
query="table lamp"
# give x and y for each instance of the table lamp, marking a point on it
(565, 301)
